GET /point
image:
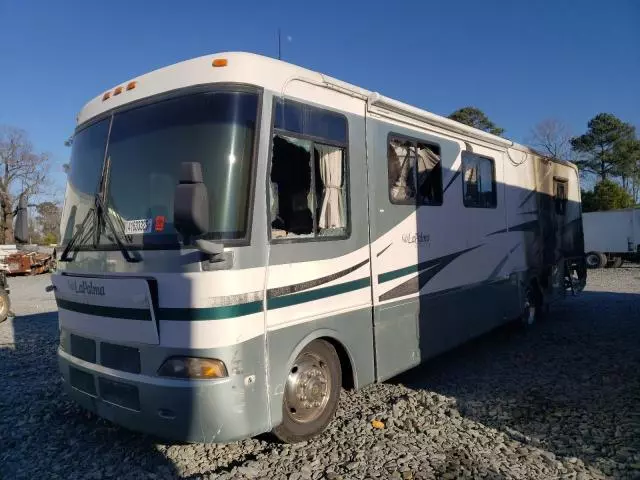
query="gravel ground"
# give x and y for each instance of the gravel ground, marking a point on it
(559, 400)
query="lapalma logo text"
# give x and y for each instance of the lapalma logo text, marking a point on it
(86, 288)
(416, 238)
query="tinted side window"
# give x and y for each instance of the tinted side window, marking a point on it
(414, 172)
(478, 181)
(303, 119)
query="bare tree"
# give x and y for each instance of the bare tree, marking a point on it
(48, 220)
(553, 138)
(22, 171)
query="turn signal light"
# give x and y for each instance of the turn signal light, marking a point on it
(106, 96)
(192, 367)
(131, 85)
(220, 62)
(117, 91)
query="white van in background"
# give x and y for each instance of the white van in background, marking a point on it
(611, 237)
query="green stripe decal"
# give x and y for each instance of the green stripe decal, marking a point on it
(212, 313)
(99, 310)
(422, 266)
(392, 275)
(317, 294)
(217, 313)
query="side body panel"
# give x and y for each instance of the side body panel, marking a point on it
(441, 274)
(321, 288)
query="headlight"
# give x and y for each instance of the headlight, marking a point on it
(190, 367)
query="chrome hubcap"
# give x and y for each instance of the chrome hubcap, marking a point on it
(308, 388)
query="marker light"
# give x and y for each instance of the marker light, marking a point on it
(131, 85)
(191, 367)
(117, 91)
(106, 96)
(219, 62)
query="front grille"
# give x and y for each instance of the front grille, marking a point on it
(119, 357)
(120, 394)
(83, 381)
(83, 348)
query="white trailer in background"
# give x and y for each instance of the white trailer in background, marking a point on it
(611, 237)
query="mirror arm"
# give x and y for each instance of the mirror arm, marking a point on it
(211, 248)
(216, 258)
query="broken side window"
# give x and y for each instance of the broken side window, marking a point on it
(308, 182)
(414, 172)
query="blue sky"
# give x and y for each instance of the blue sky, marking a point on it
(520, 62)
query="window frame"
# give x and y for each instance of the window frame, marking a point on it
(169, 95)
(415, 140)
(313, 139)
(494, 181)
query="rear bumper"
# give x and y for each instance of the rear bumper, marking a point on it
(185, 410)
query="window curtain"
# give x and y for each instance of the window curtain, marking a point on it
(332, 212)
(471, 182)
(427, 161)
(401, 190)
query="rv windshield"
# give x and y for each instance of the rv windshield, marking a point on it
(145, 147)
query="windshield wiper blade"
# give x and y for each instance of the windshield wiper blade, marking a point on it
(64, 257)
(103, 215)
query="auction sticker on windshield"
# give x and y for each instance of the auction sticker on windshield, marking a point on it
(133, 227)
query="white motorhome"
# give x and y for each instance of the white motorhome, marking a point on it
(611, 237)
(243, 237)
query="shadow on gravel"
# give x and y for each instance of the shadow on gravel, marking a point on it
(44, 434)
(568, 384)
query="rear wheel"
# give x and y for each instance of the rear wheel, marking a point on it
(311, 393)
(5, 305)
(596, 260)
(616, 262)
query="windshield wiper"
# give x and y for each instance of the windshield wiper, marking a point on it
(100, 215)
(89, 217)
(96, 217)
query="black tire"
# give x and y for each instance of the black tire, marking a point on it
(616, 262)
(322, 364)
(596, 260)
(603, 259)
(5, 305)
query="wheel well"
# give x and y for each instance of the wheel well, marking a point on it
(348, 381)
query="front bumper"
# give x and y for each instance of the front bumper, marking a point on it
(185, 410)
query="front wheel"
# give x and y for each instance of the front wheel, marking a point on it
(311, 393)
(5, 305)
(595, 260)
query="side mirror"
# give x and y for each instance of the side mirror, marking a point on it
(21, 229)
(191, 202)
